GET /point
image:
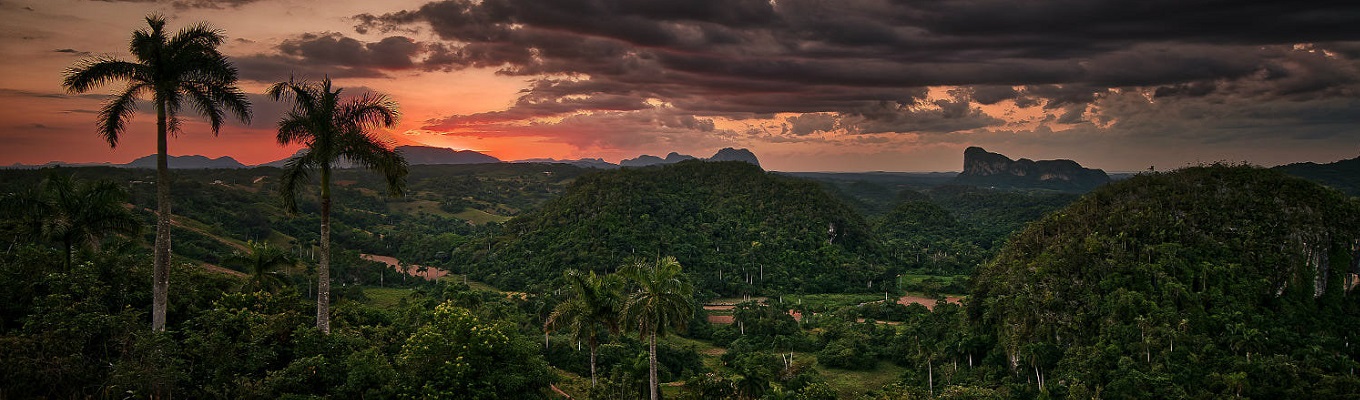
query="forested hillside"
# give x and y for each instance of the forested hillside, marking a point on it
(1208, 281)
(1344, 175)
(741, 230)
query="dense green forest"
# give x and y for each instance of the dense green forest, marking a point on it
(1205, 282)
(744, 230)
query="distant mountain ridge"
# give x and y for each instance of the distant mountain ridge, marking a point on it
(646, 160)
(725, 154)
(984, 168)
(186, 162)
(1343, 175)
(597, 163)
(421, 155)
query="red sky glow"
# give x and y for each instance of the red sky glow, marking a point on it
(855, 85)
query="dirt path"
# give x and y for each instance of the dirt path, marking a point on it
(559, 391)
(222, 270)
(431, 273)
(926, 301)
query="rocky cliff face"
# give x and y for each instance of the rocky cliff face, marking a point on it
(984, 168)
(731, 154)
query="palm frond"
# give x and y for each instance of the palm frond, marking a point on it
(148, 44)
(197, 36)
(115, 113)
(203, 103)
(370, 153)
(370, 111)
(293, 129)
(91, 73)
(295, 172)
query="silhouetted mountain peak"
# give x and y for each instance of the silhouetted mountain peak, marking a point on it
(984, 168)
(186, 162)
(418, 155)
(731, 154)
(726, 154)
(425, 155)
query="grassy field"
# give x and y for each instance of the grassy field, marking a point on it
(831, 301)
(417, 206)
(851, 384)
(480, 217)
(475, 285)
(385, 297)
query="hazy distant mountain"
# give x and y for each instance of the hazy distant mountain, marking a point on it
(731, 154)
(983, 168)
(726, 154)
(1343, 175)
(186, 162)
(597, 163)
(423, 155)
(420, 155)
(645, 160)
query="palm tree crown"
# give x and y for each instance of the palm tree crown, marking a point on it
(187, 66)
(333, 130)
(262, 261)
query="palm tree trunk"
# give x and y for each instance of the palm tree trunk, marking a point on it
(592, 364)
(652, 363)
(323, 271)
(67, 243)
(161, 270)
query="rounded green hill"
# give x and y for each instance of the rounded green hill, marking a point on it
(1215, 280)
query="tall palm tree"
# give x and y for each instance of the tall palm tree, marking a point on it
(333, 130)
(172, 70)
(262, 261)
(594, 304)
(663, 299)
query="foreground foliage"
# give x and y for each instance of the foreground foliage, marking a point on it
(80, 333)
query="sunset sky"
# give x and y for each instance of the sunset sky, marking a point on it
(808, 85)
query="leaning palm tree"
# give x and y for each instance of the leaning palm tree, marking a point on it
(594, 304)
(262, 261)
(172, 70)
(333, 130)
(663, 299)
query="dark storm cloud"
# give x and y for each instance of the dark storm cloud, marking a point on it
(392, 53)
(187, 4)
(27, 93)
(804, 124)
(339, 56)
(73, 52)
(867, 62)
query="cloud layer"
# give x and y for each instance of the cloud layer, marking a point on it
(661, 75)
(866, 66)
